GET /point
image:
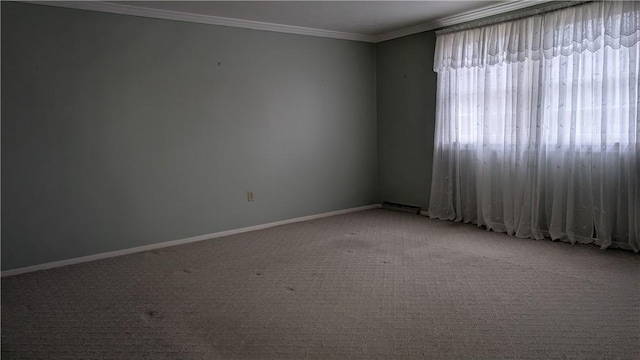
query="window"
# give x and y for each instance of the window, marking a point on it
(537, 125)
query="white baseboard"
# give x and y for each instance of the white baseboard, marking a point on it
(110, 254)
(424, 213)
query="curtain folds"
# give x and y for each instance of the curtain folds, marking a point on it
(537, 126)
(589, 27)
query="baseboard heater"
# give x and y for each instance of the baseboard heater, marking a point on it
(401, 207)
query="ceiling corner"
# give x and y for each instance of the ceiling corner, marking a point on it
(461, 18)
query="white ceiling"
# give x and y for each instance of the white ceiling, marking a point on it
(356, 17)
(371, 21)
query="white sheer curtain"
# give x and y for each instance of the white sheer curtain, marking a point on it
(537, 126)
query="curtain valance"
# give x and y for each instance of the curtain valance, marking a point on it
(590, 26)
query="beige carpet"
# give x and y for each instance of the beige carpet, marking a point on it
(376, 284)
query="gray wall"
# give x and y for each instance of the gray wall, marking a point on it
(120, 131)
(406, 86)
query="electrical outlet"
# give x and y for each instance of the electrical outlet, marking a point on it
(249, 195)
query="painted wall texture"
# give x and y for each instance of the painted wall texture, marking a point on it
(121, 131)
(406, 102)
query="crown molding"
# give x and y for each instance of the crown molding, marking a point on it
(461, 18)
(202, 19)
(122, 9)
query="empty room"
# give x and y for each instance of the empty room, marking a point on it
(320, 179)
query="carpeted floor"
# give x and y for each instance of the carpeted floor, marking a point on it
(375, 284)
